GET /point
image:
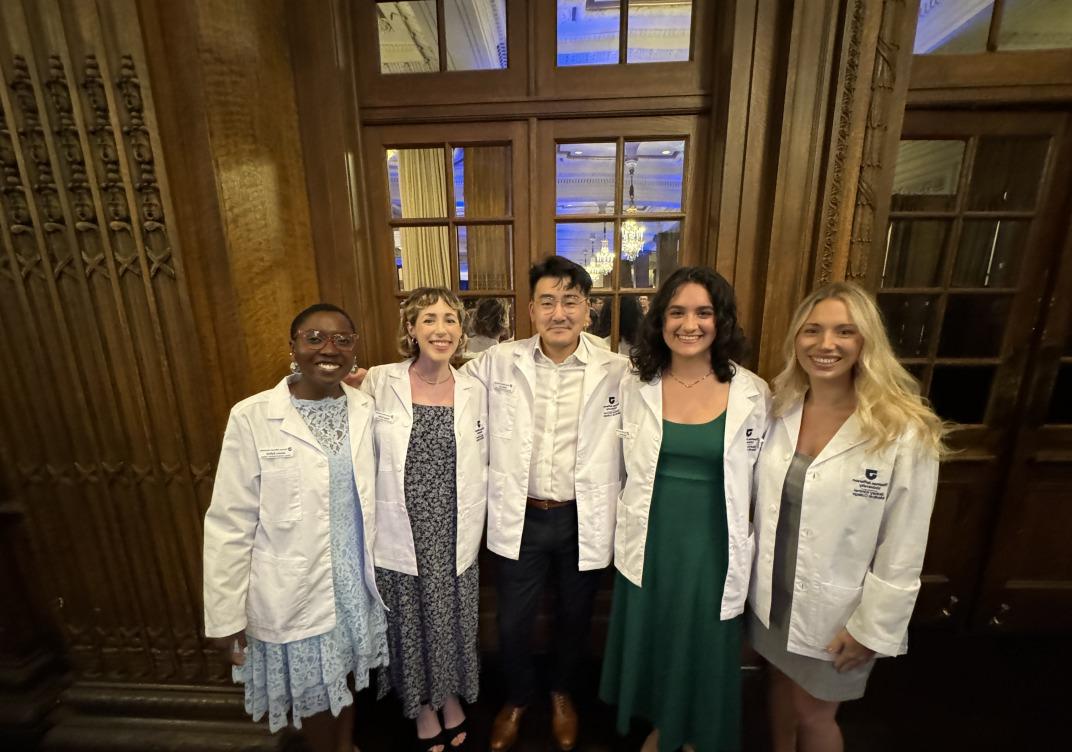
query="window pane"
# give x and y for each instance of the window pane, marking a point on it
(485, 260)
(418, 183)
(961, 393)
(482, 181)
(584, 178)
(422, 256)
(919, 373)
(650, 252)
(476, 34)
(488, 322)
(1035, 25)
(909, 322)
(1007, 173)
(652, 174)
(1061, 400)
(409, 37)
(590, 244)
(990, 253)
(659, 32)
(588, 32)
(926, 175)
(914, 253)
(974, 326)
(953, 27)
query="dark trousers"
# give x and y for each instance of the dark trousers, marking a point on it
(548, 552)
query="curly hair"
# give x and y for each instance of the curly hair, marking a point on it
(651, 354)
(412, 306)
(489, 318)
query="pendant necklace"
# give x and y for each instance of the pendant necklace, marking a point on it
(690, 384)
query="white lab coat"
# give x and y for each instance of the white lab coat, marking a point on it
(267, 556)
(642, 434)
(389, 385)
(508, 371)
(863, 531)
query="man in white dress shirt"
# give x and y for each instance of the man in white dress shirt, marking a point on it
(554, 415)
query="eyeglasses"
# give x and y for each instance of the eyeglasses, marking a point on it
(316, 339)
(569, 303)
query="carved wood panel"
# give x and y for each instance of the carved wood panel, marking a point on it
(111, 439)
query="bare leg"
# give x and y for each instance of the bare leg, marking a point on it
(321, 732)
(782, 716)
(651, 744)
(344, 737)
(453, 715)
(428, 725)
(817, 728)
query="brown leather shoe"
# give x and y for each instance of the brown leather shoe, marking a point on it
(563, 721)
(505, 727)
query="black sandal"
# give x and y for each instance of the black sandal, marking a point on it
(425, 745)
(450, 733)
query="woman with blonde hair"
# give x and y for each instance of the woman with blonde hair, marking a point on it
(431, 492)
(845, 488)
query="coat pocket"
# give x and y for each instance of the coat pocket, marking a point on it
(278, 592)
(281, 495)
(834, 606)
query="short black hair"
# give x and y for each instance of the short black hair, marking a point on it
(560, 267)
(318, 308)
(651, 354)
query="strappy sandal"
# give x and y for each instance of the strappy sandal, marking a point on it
(450, 733)
(426, 745)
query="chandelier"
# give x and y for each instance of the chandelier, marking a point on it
(632, 231)
(601, 262)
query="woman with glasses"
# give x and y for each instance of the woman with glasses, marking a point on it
(289, 584)
(431, 492)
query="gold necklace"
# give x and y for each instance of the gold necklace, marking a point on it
(692, 384)
(444, 380)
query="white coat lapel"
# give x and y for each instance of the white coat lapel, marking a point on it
(462, 387)
(359, 413)
(739, 405)
(847, 437)
(525, 363)
(399, 378)
(281, 408)
(652, 393)
(595, 370)
(791, 421)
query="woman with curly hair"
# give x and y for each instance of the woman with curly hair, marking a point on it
(844, 491)
(692, 420)
(431, 492)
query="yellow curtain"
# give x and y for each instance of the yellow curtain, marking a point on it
(422, 187)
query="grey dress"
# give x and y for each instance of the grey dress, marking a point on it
(432, 618)
(817, 677)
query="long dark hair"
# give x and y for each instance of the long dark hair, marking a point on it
(651, 354)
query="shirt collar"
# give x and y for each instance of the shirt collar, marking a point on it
(580, 356)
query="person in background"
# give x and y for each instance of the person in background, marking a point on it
(554, 477)
(431, 489)
(629, 317)
(692, 422)
(845, 488)
(289, 587)
(489, 325)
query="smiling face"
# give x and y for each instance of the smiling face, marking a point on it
(558, 313)
(438, 331)
(828, 344)
(689, 324)
(323, 365)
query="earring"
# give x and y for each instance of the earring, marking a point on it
(353, 368)
(294, 367)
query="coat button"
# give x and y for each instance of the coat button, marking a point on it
(772, 508)
(788, 457)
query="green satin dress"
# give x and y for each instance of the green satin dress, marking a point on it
(669, 658)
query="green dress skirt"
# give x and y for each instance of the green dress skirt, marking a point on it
(669, 658)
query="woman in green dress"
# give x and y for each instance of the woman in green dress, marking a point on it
(692, 424)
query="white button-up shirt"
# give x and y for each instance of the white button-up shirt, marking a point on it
(557, 409)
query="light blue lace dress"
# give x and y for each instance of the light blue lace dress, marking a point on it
(309, 676)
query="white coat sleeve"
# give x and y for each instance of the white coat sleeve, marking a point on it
(880, 622)
(765, 406)
(230, 524)
(480, 368)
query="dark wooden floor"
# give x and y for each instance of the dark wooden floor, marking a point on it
(950, 693)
